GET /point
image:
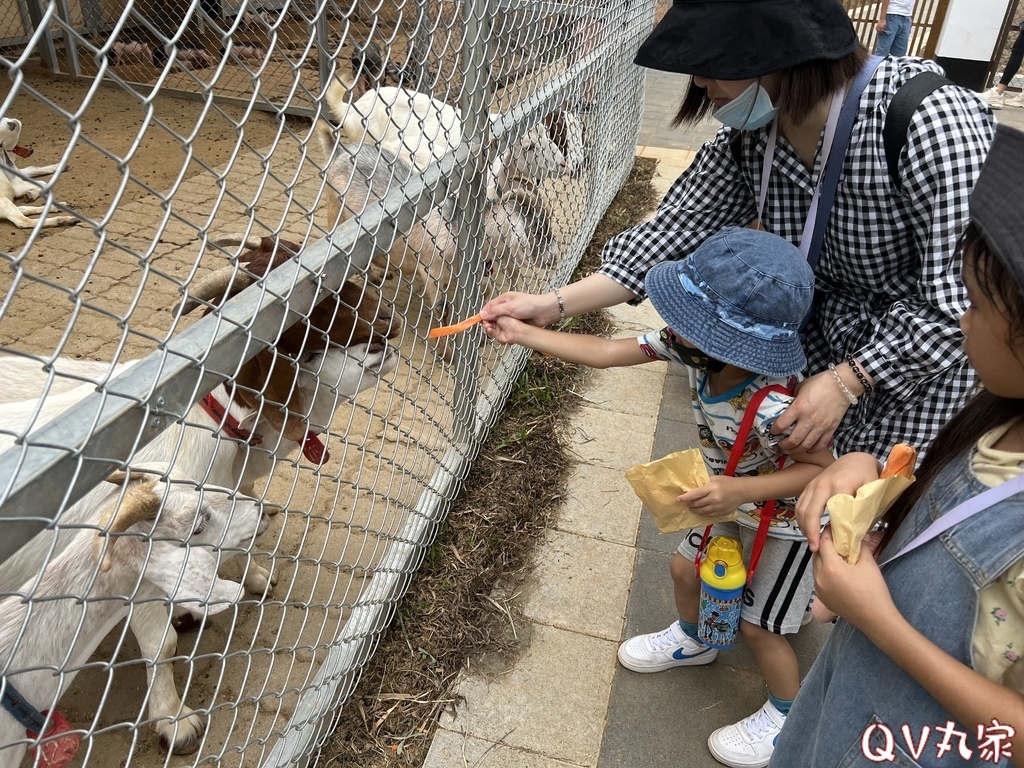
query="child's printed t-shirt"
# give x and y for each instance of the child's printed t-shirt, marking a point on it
(998, 643)
(718, 420)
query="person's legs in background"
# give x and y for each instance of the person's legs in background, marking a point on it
(885, 39)
(901, 38)
(995, 95)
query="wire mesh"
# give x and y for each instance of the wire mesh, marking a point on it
(239, 225)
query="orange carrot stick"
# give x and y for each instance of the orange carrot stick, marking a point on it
(901, 461)
(451, 330)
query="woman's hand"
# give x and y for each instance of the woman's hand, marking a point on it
(812, 419)
(719, 497)
(858, 592)
(846, 475)
(880, 26)
(539, 310)
(504, 330)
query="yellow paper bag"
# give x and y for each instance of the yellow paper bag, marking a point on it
(851, 517)
(658, 483)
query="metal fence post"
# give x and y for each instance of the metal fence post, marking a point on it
(475, 102)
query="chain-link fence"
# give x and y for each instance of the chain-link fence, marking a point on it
(218, 299)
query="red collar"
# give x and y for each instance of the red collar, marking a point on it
(314, 450)
(227, 422)
(313, 447)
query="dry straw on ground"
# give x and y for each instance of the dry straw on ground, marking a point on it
(453, 613)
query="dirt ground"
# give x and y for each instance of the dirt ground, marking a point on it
(152, 176)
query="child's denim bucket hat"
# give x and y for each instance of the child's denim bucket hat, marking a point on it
(741, 297)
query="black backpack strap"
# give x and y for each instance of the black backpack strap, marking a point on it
(901, 110)
(736, 150)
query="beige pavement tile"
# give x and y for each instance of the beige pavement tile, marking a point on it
(613, 440)
(669, 156)
(600, 503)
(553, 702)
(456, 750)
(636, 389)
(580, 583)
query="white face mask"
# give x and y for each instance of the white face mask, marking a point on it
(749, 111)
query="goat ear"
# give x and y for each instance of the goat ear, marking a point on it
(276, 382)
(188, 575)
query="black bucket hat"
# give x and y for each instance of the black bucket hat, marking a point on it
(997, 207)
(744, 39)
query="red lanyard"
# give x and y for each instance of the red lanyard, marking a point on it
(768, 510)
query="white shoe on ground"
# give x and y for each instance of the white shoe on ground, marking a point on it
(663, 650)
(1016, 100)
(750, 742)
(994, 98)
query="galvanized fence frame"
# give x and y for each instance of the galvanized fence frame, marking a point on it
(58, 463)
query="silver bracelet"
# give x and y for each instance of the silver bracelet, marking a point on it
(561, 304)
(842, 384)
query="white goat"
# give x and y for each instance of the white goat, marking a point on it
(168, 548)
(517, 232)
(408, 124)
(552, 148)
(420, 129)
(407, 130)
(15, 182)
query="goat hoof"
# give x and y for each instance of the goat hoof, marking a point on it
(259, 580)
(183, 736)
(189, 623)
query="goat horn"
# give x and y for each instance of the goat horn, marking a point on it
(237, 238)
(212, 286)
(120, 476)
(140, 502)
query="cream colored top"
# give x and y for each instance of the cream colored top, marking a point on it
(999, 632)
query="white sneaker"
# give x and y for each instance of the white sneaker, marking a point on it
(994, 98)
(663, 650)
(750, 742)
(1017, 100)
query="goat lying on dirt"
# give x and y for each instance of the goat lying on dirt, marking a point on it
(161, 540)
(14, 184)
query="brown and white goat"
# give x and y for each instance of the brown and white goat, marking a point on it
(282, 394)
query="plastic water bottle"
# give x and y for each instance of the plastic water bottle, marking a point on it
(722, 580)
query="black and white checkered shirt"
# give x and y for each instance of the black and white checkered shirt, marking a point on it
(888, 285)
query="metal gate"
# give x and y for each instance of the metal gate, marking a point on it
(292, 270)
(926, 24)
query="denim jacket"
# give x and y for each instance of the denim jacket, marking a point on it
(854, 688)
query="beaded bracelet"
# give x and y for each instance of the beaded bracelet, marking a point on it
(868, 389)
(842, 384)
(561, 305)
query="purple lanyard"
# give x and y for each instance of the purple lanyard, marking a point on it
(961, 512)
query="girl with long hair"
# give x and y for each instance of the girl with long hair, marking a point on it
(925, 666)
